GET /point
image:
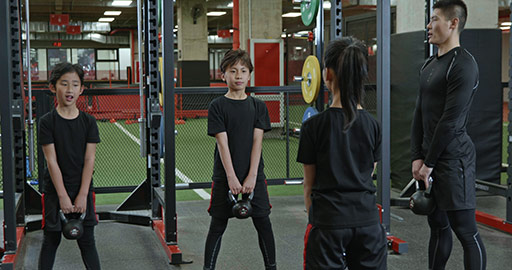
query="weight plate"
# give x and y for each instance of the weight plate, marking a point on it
(159, 11)
(311, 77)
(310, 111)
(308, 10)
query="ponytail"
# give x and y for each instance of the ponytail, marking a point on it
(348, 58)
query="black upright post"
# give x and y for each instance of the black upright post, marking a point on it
(336, 19)
(319, 42)
(43, 105)
(509, 158)
(171, 229)
(429, 48)
(383, 105)
(7, 130)
(18, 111)
(152, 87)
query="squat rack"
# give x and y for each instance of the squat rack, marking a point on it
(162, 202)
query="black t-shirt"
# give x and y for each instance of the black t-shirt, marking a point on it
(343, 190)
(447, 86)
(70, 138)
(238, 118)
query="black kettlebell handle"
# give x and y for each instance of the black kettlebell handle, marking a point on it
(63, 217)
(233, 199)
(429, 189)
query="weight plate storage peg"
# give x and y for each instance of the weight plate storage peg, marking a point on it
(308, 10)
(311, 78)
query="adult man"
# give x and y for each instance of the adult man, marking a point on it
(440, 145)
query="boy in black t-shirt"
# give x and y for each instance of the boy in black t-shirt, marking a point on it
(68, 137)
(237, 121)
(340, 148)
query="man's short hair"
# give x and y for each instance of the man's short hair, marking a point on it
(453, 9)
(234, 56)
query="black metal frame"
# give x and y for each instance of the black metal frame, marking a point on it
(13, 122)
(7, 131)
(336, 19)
(429, 48)
(383, 106)
(171, 227)
(165, 201)
(319, 46)
(498, 189)
(509, 158)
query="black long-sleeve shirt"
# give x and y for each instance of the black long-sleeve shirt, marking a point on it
(447, 86)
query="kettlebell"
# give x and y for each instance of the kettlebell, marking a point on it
(72, 228)
(241, 208)
(421, 201)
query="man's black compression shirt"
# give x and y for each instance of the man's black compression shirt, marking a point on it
(447, 87)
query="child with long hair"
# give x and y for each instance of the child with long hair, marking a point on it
(340, 148)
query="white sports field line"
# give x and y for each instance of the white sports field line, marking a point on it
(203, 194)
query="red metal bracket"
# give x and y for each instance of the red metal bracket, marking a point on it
(493, 221)
(172, 250)
(397, 245)
(9, 260)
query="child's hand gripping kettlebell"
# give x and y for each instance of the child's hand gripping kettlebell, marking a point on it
(241, 208)
(72, 228)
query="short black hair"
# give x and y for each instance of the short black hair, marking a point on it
(63, 68)
(234, 56)
(453, 9)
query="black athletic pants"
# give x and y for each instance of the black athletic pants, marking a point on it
(358, 248)
(463, 223)
(86, 243)
(265, 239)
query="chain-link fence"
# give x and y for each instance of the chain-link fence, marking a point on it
(120, 162)
(118, 157)
(195, 149)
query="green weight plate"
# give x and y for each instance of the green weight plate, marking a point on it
(308, 10)
(159, 10)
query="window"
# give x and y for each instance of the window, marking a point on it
(86, 59)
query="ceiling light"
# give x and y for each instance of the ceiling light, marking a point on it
(112, 13)
(230, 5)
(327, 5)
(215, 13)
(291, 14)
(121, 3)
(506, 23)
(106, 19)
(505, 27)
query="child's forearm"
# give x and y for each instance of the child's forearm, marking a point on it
(54, 170)
(225, 156)
(256, 152)
(56, 177)
(309, 180)
(88, 169)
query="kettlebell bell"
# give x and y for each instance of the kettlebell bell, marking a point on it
(72, 228)
(241, 208)
(421, 201)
